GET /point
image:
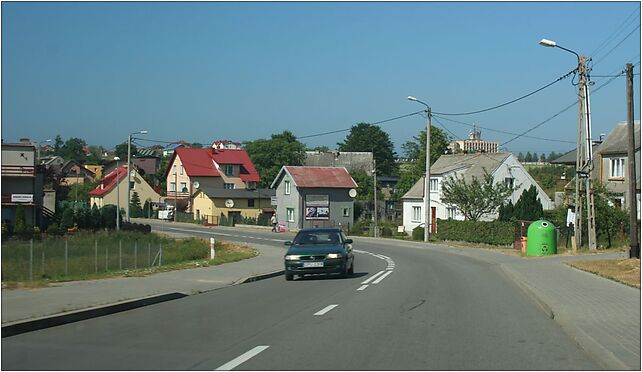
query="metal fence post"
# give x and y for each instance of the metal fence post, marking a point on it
(107, 257)
(31, 260)
(160, 256)
(149, 254)
(120, 254)
(43, 260)
(96, 254)
(135, 254)
(66, 257)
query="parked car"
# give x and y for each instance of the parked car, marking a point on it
(319, 251)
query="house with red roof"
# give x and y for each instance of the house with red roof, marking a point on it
(113, 189)
(314, 197)
(191, 169)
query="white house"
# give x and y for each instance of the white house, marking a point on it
(504, 167)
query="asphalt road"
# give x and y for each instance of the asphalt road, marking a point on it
(405, 309)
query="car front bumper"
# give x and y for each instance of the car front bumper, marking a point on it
(330, 266)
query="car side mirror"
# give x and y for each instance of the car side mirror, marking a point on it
(289, 242)
(348, 241)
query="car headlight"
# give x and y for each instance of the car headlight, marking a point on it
(290, 257)
(334, 255)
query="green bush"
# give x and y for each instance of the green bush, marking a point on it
(54, 230)
(418, 233)
(493, 232)
(67, 218)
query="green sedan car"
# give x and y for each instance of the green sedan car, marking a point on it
(319, 251)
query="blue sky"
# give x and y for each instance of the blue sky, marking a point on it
(243, 71)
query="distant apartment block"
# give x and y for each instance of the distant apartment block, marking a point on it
(474, 143)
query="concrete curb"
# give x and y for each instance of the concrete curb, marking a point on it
(76, 316)
(16, 328)
(527, 290)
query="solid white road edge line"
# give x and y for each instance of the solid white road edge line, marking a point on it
(372, 277)
(325, 310)
(382, 277)
(362, 287)
(241, 359)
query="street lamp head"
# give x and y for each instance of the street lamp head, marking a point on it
(411, 98)
(116, 158)
(143, 132)
(547, 43)
(48, 140)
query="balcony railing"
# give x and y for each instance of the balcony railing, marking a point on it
(18, 171)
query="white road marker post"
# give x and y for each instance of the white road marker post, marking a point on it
(212, 248)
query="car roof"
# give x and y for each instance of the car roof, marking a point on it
(335, 229)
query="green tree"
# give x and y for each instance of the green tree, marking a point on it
(368, 137)
(416, 151)
(108, 216)
(609, 219)
(528, 206)
(269, 155)
(520, 157)
(67, 218)
(506, 211)
(95, 218)
(80, 191)
(58, 143)
(477, 198)
(197, 145)
(529, 157)
(320, 149)
(542, 157)
(72, 149)
(134, 206)
(121, 150)
(147, 209)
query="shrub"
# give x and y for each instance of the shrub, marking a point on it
(54, 230)
(67, 218)
(418, 233)
(494, 232)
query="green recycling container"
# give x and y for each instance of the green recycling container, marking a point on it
(541, 239)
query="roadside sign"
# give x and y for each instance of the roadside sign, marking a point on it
(22, 198)
(273, 200)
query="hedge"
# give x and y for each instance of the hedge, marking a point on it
(494, 232)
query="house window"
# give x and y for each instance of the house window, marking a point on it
(617, 168)
(228, 170)
(509, 181)
(250, 203)
(172, 186)
(290, 214)
(416, 214)
(250, 185)
(228, 186)
(346, 212)
(287, 188)
(183, 187)
(434, 183)
(174, 167)
(182, 169)
(450, 213)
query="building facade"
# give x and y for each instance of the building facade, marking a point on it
(22, 184)
(473, 143)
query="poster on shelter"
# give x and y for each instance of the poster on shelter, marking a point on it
(317, 207)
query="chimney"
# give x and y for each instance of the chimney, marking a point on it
(24, 140)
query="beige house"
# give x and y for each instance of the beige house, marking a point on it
(211, 203)
(113, 189)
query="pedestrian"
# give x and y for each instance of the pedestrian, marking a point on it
(274, 222)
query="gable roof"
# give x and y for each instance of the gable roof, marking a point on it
(109, 181)
(617, 141)
(571, 157)
(475, 164)
(416, 191)
(212, 192)
(199, 162)
(318, 177)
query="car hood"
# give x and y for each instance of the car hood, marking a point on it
(315, 249)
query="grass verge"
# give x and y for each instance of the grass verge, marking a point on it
(625, 271)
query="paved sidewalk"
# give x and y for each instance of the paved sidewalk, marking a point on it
(26, 304)
(603, 316)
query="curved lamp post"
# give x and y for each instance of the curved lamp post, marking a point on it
(585, 158)
(427, 211)
(129, 151)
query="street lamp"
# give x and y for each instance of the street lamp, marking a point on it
(38, 149)
(129, 150)
(584, 159)
(427, 211)
(117, 196)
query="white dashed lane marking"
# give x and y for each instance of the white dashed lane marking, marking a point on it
(241, 359)
(325, 310)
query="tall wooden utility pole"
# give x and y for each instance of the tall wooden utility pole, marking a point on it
(634, 251)
(374, 174)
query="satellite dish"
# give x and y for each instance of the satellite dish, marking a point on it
(132, 173)
(196, 184)
(229, 203)
(352, 193)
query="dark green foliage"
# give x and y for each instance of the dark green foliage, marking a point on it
(95, 218)
(269, 155)
(67, 218)
(147, 209)
(134, 206)
(418, 233)
(82, 218)
(475, 198)
(20, 226)
(72, 149)
(54, 230)
(121, 151)
(80, 191)
(495, 232)
(108, 216)
(610, 220)
(368, 137)
(527, 208)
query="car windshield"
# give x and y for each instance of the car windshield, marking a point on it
(317, 237)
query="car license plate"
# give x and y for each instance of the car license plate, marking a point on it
(313, 264)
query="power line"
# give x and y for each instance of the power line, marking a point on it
(572, 72)
(617, 45)
(558, 113)
(505, 132)
(617, 31)
(375, 123)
